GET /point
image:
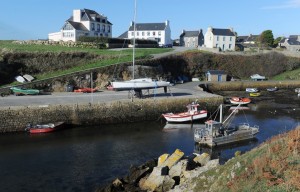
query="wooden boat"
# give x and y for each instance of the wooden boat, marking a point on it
(252, 90)
(220, 133)
(239, 100)
(44, 128)
(86, 90)
(254, 94)
(193, 113)
(272, 89)
(23, 91)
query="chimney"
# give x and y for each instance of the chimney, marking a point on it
(167, 22)
(209, 29)
(77, 15)
(231, 29)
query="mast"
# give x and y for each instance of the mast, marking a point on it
(133, 49)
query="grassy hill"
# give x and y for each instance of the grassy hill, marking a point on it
(291, 75)
(273, 166)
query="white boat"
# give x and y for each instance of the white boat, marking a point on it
(257, 77)
(272, 89)
(28, 78)
(252, 90)
(239, 100)
(220, 133)
(138, 84)
(193, 113)
(20, 79)
(297, 90)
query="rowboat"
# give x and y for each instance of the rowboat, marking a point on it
(272, 89)
(44, 128)
(239, 100)
(86, 90)
(252, 90)
(254, 94)
(23, 91)
(193, 113)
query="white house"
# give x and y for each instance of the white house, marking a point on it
(223, 39)
(291, 44)
(84, 22)
(160, 32)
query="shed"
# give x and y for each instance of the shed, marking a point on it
(216, 75)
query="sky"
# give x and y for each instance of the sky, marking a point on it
(34, 19)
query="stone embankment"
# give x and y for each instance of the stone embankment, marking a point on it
(15, 119)
(167, 173)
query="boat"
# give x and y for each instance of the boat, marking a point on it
(44, 128)
(20, 79)
(257, 77)
(28, 78)
(252, 90)
(216, 133)
(85, 90)
(141, 83)
(254, 94)
(23, 91)
(297, 90)
(193, 113)
(272, 89)
(239, 100)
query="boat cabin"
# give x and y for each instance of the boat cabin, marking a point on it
(213, 128)
(192, 108)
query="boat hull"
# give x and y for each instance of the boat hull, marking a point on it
(138, 84)
(239, 101)
(184, 117)
(46, 128)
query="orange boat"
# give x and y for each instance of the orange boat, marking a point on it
(86, 90)
(239, 100)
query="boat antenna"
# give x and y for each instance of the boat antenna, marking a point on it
(134, 29)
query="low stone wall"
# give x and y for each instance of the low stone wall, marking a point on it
(15, 119)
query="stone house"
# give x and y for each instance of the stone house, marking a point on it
(191, 38)
(291, 44)
(222, 39)
(83, 22)
(216, 75)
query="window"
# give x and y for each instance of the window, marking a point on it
(68, 27)
(93, 27)
(159, 33)
(230, 38)
(103, 28)
(229, 46)
(223, 38)
(148, 33)
(108, 28)
(153, 33)
(98, 27)
(143, 33)
(137, 34)
(217, 45)
(132, 33)
(217, 38)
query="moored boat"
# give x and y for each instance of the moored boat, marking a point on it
(272, 89)
(86, 90)
(44, 128)
(252, 90)
(239, 100)
(23, 91)
(193, 113)
(254, 94)
(297, 90)
(220, 133)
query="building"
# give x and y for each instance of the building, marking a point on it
(216, 75)
(291, 44)
(222, 39)
(160, 32)
(84, 22)
(247, 41)
(191, 38)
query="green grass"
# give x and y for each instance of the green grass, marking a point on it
(118, 56)
(291, 75)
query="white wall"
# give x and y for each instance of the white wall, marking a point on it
(222, 42)
(57, 36)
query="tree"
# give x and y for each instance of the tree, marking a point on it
(266, 38)
(276, 41)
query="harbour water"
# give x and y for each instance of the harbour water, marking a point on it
(84, 158)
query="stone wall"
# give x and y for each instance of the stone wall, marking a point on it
(15, 119)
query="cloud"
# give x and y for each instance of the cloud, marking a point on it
(291, 4)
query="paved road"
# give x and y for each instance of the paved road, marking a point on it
(189, 89)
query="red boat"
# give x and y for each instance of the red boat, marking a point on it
(44, 128)
(85, 90)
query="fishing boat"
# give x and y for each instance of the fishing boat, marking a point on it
(216, 133)
(239, 100)
(23, 91)
(140, 83)
(252, 90)
(272, 89)
(193, 113)
(254, 94)
(44, 128)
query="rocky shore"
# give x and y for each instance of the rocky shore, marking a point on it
(167, 173)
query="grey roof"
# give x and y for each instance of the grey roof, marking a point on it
(92, 16)
(148, 27)
(252, 38)
(241, 39)
(222, 32)
(124, 35)
(293, 41)
(78, 26)
(190, 34)
(215, 72)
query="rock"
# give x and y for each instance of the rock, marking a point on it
(202, 159)
(117, 183)
(177, 169)
(136, 173)
(173, 159)
(162, 159)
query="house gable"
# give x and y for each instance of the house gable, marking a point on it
(148, 27)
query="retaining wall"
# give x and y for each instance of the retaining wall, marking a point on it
(15, 119)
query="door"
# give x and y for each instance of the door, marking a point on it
(219, 77)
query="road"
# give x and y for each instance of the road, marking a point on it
(189, 89)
